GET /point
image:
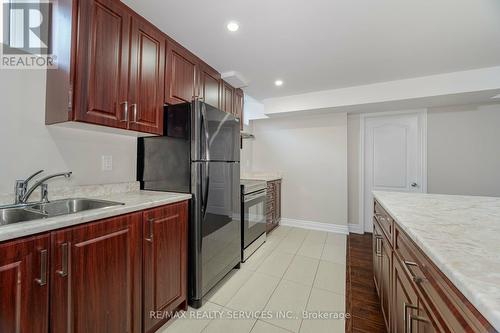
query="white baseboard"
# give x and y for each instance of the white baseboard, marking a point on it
(356, 228)
(311, 225)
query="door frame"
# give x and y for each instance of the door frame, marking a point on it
(422, 128)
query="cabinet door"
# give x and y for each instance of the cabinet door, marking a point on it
(278, 201)
(24, 285)
(227, 98)
(147, 68)
(96, 272)
(209, 86)
(377, 255)
(423, 320)
(102, 63)
(238, 105)
(385, 281)
(165, 260)
(405, 301)
(181, 80)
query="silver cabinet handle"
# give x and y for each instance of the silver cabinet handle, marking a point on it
(125, 111)
(150, 231)
(378, 245)
(134, 112)
(64, 260)
(416, 318)
(406, 316)
(415, 277)
(43, 268)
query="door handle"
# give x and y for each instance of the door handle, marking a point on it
(414, 185)
(406, 316)
(64, 260)
(378, 245)
(416, 318)
(415, 277)
(42, 281)
(125, 111)
(134, 113)
(150, 231)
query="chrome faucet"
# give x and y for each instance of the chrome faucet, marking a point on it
(23, 194)
(22, 186)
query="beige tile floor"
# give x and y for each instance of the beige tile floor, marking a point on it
(296, 270)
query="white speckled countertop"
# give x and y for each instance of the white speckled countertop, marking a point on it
(127, 193)
(268, 177)
(460, 235)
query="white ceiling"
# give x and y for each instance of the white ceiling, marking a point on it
(325, 44)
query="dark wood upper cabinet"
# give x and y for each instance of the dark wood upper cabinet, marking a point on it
(24, 285)
(96, 276)
(111, 63)
(209, 85)
(147, 78)
(238, 105)
(102, 63)
(181, 74)
(227, 100)
(165, 262)
(118, 70)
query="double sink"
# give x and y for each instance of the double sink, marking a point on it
(35, 211)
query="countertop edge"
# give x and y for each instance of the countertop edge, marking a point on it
(266, 179)
(31, 228)
(493, 316)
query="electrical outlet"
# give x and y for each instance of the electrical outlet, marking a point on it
(107, 163)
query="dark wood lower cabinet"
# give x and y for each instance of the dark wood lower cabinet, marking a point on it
(96, 277)
(165, 260)
(415, 295)
(405, 300)
(24, 287)
(100, 277)
(273, 204)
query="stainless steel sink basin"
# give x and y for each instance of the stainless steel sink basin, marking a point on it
(73, 205)
(15, 215)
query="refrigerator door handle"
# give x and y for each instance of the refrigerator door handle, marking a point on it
(207, 158)
(207, 185)
(204, 121)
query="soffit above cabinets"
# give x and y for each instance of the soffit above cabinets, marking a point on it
(318, 45)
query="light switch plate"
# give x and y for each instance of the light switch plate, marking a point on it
(107, 163)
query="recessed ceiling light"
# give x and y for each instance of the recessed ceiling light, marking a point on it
(278, 83)
(233, 26)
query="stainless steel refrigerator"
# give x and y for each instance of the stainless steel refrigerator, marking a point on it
(199, 154)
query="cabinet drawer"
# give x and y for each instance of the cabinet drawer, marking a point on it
(449, 309)
(385, 220)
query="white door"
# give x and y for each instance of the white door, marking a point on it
(393, 157)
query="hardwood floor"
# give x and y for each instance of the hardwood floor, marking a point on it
(362, 301)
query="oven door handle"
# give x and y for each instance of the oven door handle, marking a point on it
(251, 197)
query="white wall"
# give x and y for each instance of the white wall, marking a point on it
(246, 153)
(463, 153)
(464, 150)
(311, 154)
(26, 144)
(353, 161)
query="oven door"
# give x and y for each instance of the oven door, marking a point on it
(254, 216)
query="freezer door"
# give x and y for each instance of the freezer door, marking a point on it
(219, 136)
(163, 164)
(217, 224)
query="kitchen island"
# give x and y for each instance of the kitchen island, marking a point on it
(448, 247)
